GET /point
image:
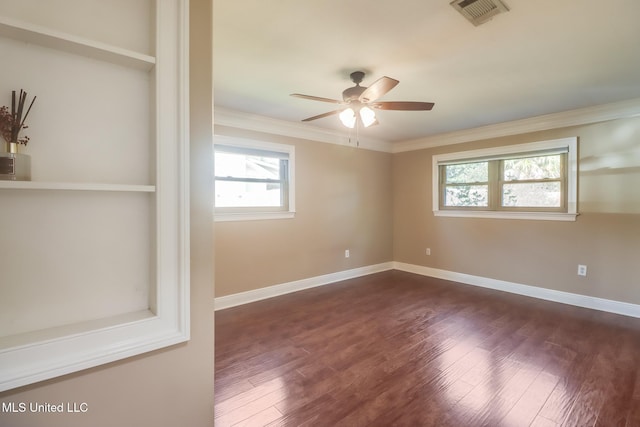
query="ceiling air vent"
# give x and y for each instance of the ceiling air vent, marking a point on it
(479, 11)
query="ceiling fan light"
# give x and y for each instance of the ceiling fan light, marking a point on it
(348, 118)
(368, 116)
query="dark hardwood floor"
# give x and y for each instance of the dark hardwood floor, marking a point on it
(397, 349)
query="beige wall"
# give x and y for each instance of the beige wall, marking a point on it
(174, 386)
(605, 237)
(343, 201)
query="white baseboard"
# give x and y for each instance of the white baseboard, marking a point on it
(594, 303)
(233, 300)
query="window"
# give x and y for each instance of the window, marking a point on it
(253, 180)
(529, 181)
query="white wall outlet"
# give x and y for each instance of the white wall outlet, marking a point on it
(582, 270)
(428, 251)
(346, 253)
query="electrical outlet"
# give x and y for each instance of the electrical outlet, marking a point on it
(346, 253)
(428, 251)
(582, 270)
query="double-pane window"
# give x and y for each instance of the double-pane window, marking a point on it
(521, 182)
(533, 182)
(251, 180)
(466, 185)
(540, 178)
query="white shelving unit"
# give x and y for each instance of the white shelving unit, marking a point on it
(50, 38)
(95, 264)
(43, 185)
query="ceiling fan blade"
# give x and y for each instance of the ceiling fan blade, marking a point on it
(403, 105)
(316, 98)
(377, 89)
(319, 116)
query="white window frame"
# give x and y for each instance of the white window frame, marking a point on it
(570, 144)
(251, 214)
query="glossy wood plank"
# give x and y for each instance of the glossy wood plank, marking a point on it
(633, 417)
(400, 349)
(261, 418)
(525, 411)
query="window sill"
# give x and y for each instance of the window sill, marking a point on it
(252, 216)
(541, 216)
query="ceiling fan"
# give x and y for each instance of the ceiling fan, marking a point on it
(363, 101)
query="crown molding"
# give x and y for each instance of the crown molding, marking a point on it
(237, 119)
(582, 116)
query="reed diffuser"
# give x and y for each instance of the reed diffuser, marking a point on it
(11, 123)
(13, 165)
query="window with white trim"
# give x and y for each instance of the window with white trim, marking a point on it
(253, 179)
(528, 181)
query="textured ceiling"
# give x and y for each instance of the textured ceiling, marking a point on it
(543, 56)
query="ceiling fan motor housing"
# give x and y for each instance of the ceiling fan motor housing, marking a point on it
(353, 93)
(357, 77)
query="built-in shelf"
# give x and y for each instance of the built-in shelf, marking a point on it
(47, 37)
(76, 329)
(74, 186)
(132, 235)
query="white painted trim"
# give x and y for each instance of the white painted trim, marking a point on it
(585, 301)
(172, 166)
(253, 143)
(297, 285)
(183, 142)
(570, 143)
(252, 216)
(33, 357)
(60, 355)
(536, 216)
(226, 117)
(582, 116)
